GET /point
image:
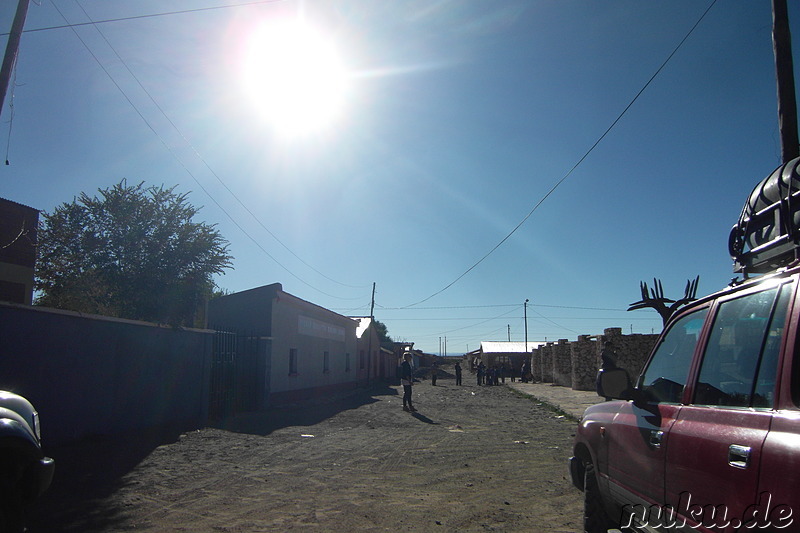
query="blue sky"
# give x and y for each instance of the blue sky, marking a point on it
(458, 118)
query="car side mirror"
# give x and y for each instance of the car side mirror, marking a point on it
(615, 383)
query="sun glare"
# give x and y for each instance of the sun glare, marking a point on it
(294, 77)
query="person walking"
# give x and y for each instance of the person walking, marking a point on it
(458, 374)
(407, 379)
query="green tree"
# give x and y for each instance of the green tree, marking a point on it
(132, 252)
(383, 335)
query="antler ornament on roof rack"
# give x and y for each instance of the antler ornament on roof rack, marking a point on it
(666, 307)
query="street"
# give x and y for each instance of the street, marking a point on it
(471, 459)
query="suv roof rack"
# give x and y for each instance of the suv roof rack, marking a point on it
(767, 235)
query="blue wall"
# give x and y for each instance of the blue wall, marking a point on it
(88, 375)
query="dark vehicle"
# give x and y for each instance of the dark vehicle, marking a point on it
(25, 472)
(707, 438)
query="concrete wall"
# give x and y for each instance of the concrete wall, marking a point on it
(91, 375)
(249, 311)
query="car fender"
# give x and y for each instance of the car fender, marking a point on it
(590, 442)
(15, 407)
(15, 434)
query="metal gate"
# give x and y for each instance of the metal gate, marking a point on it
(235, 371)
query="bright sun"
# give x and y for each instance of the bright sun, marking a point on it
(295, 77)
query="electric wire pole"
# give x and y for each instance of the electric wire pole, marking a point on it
(526, 325)
(12, 47)
(784, 72)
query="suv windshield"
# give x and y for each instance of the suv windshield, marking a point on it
(665, 376)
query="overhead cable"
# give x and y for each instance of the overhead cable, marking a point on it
(575, 166)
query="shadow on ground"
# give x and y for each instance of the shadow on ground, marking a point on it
(90, 470)
(86, 472)
(308, 413)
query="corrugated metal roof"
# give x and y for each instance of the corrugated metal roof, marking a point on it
(507, 347)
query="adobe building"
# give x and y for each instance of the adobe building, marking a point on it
(307, 350)
(18, 224)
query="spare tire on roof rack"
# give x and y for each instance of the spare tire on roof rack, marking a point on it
(767, 235)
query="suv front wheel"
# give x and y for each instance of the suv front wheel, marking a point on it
(595, 518)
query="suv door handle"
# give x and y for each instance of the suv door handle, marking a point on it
(656, 436)
(739, 456)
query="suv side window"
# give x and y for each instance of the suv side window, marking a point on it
(666, 374)
(740, 362)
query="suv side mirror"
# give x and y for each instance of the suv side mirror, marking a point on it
(614, 383)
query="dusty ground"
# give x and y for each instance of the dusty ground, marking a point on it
(472, 459)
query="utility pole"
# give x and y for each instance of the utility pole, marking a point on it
(784, 71)
(372, 327)
(12, 47)
(509, 332)
(372, 305)
(526, 325)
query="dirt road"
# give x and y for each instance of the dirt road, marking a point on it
(471, 459)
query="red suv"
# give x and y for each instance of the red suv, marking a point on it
(708, 437)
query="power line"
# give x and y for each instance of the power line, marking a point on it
(499, 305)
(136, 17)
(178, 159)
(433, 319)
(203, 160)
(575, 166)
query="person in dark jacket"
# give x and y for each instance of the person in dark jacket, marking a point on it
(407, 379)
(608, 361)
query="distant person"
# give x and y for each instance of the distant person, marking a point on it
(407, 380)
(433, 376)
(481, 372)
(458, 374)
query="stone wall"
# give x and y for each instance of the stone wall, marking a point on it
(562, 363)
(585, 362)
(546, 354)
(574, 364)
(536, 365)
(631, 350)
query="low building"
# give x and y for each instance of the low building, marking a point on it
(511, 354)
(18, 224)
(308, 350)
(369, 346)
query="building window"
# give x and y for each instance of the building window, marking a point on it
(347, 362)
(292, 361)
(326, 362)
